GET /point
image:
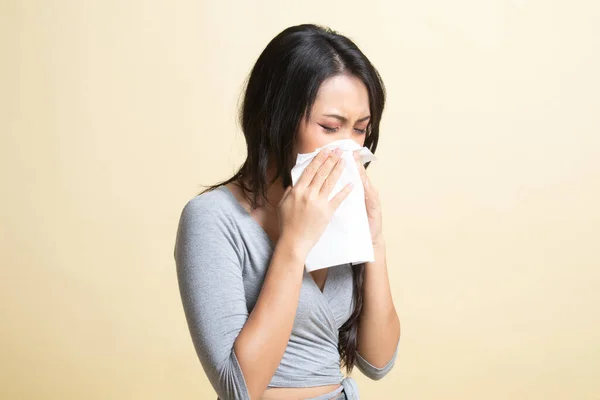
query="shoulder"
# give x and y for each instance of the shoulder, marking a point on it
(209, 204)
(208, 221)
(208, 210)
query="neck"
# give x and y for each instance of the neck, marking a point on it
(274, 191)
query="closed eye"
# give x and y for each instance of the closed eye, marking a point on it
(328, 129)
(331, 130)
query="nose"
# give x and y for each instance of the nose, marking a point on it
(350, 133)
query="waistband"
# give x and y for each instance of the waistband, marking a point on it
(349, 386)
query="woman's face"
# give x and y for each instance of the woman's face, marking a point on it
(340, 111)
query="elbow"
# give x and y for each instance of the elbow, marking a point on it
(379, 375)
(372, 372)
(375, 373)
(228, 380)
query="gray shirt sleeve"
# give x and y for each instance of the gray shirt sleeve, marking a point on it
(209, 272)
(372, 371)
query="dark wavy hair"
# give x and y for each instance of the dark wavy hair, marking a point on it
(280, 90)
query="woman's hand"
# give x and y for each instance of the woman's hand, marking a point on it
(372, 204)
(304, 210)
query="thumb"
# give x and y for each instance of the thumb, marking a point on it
(285, 194)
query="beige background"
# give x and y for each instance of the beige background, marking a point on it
(114, 112)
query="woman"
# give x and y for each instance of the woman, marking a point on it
(262, 326)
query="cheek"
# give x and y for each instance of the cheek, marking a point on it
(310, 138)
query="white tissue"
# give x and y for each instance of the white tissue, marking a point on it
(347, 238)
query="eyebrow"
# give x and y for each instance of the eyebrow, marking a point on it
(344, 119)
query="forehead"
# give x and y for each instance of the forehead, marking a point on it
(344, 94)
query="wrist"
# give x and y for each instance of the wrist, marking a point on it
(293, 248)
(378, 242)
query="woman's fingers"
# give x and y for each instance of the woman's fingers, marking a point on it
(285, 194)
(325, 170)
(333, 177)
(341, 196)
(361, 169)
(370, 191)
(311, 169)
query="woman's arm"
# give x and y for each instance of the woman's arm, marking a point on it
(379, 325)
(261, 344)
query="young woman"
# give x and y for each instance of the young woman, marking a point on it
(263, 327)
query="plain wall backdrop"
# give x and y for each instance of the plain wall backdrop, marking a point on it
(112, 113)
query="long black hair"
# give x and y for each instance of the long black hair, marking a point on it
(280, 90)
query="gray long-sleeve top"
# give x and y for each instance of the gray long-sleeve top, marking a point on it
(222, 255)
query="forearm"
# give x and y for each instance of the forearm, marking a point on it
(261, 343)
(379, 325)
